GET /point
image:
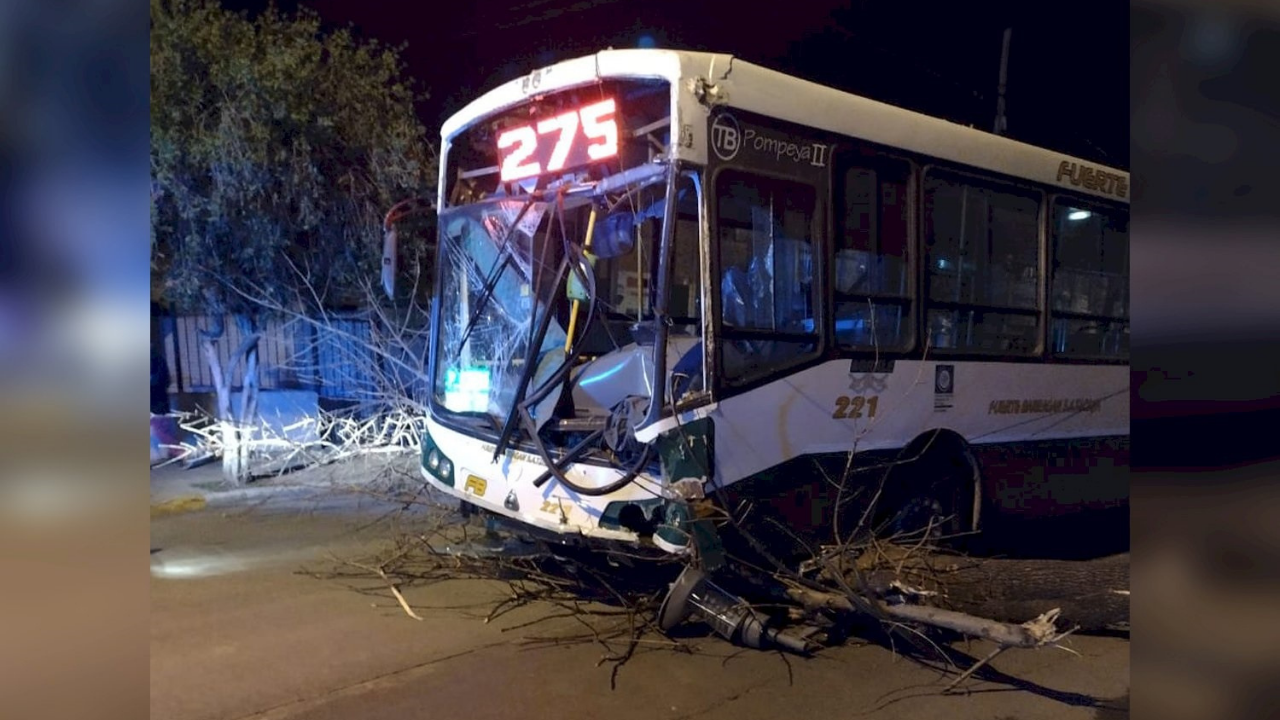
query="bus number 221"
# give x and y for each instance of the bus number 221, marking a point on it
(852, 407)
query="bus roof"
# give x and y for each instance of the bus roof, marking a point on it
(745, 86)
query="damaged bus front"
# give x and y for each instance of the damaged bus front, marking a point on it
(568, 314)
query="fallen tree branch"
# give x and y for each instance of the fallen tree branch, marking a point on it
(974, 668)
(1034, 633)
(399, 598)
(390, 584)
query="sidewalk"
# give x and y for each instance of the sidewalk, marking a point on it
(377, 477)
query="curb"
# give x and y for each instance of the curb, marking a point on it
(178, 505)
(224, 497)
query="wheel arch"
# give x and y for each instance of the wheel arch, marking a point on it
(947, 445)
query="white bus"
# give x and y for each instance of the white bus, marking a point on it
(670, 281)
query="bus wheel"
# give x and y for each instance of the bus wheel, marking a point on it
(934, 494)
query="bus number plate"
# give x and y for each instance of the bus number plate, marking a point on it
(856, 406)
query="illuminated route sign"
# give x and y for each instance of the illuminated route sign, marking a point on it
(573, 138)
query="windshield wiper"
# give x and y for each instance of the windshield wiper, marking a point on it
(491, 282)
(530, 366)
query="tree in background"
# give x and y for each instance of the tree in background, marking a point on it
(276, 148)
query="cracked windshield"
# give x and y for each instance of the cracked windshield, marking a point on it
(504, 270)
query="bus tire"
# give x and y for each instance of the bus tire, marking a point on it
(938, 486)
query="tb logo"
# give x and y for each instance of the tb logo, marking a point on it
(726, 137)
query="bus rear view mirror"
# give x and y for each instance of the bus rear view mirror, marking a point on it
(390, 248)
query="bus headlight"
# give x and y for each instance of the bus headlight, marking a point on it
(434, 461)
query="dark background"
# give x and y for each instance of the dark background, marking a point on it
(1068, 66)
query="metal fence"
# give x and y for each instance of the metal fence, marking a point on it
(336, 359)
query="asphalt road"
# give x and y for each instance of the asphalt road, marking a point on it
(242, 628)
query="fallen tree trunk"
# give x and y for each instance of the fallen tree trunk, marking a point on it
(1092, 594)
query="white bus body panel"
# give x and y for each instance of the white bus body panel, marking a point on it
(991, 402)
(552, 507)
(740, 84)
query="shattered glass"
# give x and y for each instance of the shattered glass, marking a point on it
(484, 337)
(499, 260)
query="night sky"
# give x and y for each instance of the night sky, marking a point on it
(1068, 67)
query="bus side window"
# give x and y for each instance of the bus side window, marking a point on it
(982, 257)
(872, 300)
(767, 266)
(625, 242)
(1090, 282)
